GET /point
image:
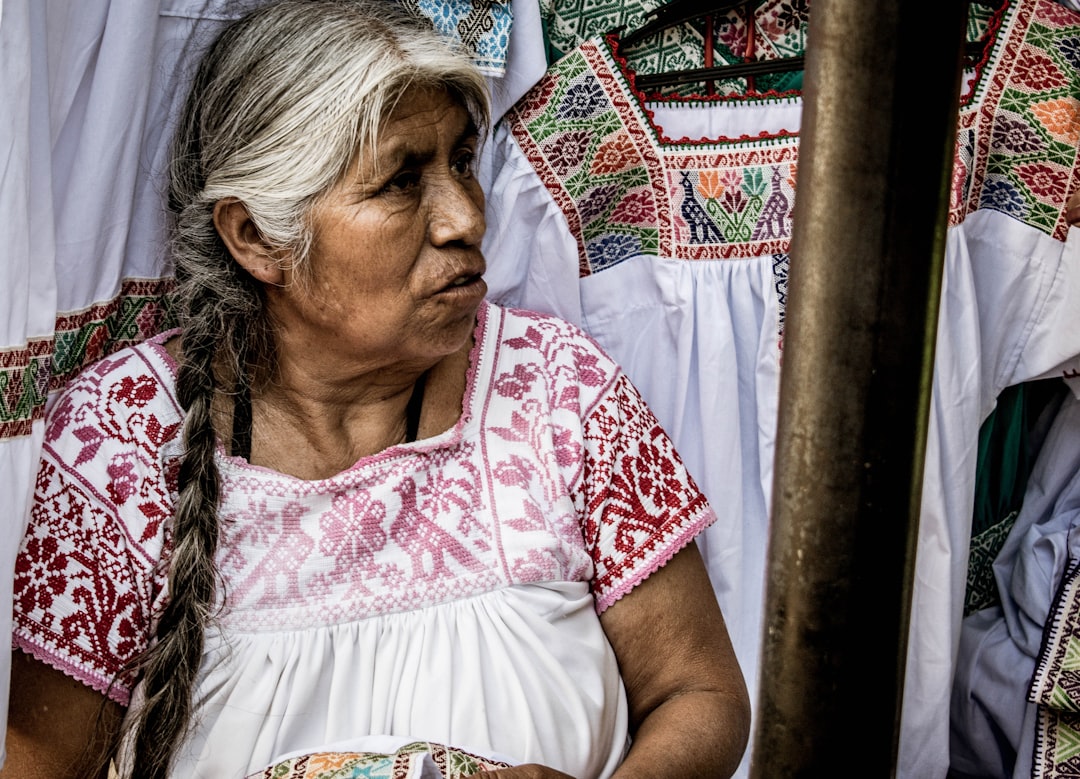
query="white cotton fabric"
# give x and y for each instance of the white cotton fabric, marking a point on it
(27, 278)
(525, 668)
(120, 73)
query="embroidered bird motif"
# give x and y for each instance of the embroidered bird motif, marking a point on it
(702, 228)
(774, 215)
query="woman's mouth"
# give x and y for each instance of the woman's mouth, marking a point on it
(464, 280)
(461, 281)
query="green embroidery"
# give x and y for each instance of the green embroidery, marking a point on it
(135, 315)
(24, 376)
(29, 374)
(1029, 141)
(1068, 743)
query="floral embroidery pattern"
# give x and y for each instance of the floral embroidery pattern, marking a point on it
(1016, 148)
(626, 192)
(78, 564)
(402, 764)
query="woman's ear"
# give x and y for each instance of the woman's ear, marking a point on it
(245, 243)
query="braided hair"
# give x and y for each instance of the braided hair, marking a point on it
(280, 105)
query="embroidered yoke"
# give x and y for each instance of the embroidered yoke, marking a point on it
(446, 590)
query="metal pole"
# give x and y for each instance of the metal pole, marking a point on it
(881, 90)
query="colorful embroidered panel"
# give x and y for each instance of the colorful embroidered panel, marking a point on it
(484, 27)
(142, 309)
(419, 760)
(29, 374)
(1055, 688)
(779, 30)
(24, 386)
(1016, 149)
(627, 191)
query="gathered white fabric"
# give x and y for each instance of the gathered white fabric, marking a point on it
(523, 671)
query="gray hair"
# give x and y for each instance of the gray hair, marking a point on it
(284, 104)
(280, 106)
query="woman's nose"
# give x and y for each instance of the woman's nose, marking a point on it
(456, 213)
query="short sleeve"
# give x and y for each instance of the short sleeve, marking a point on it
(84, 588)
(641, 504)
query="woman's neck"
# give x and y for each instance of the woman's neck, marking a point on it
(313, 429)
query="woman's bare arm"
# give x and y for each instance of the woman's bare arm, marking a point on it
(56, 725)
(689, 707)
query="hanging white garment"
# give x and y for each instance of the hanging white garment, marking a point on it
(598, 215)
(75, 83)
(26, 276)
(672, 253)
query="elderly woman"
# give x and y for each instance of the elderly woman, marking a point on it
(350, 497)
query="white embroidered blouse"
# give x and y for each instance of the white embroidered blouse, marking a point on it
(446, 589)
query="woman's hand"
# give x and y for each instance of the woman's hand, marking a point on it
(526, 771)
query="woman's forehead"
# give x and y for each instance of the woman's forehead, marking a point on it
(419, 125)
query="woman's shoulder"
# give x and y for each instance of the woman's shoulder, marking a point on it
(134, 385)
(533, 343)
(540, 329)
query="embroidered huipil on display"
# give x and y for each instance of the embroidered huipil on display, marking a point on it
(672, 255)
(1016, 166)
(774, 28)
(446, 590)
(662, 228)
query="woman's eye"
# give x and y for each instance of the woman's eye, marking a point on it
(462, 164)
(403, 180)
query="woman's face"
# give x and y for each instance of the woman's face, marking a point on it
(394, 273)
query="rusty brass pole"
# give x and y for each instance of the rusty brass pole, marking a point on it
(880, 96)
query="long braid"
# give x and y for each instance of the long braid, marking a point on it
(170, 670)
(279, 105)
(214, 323)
